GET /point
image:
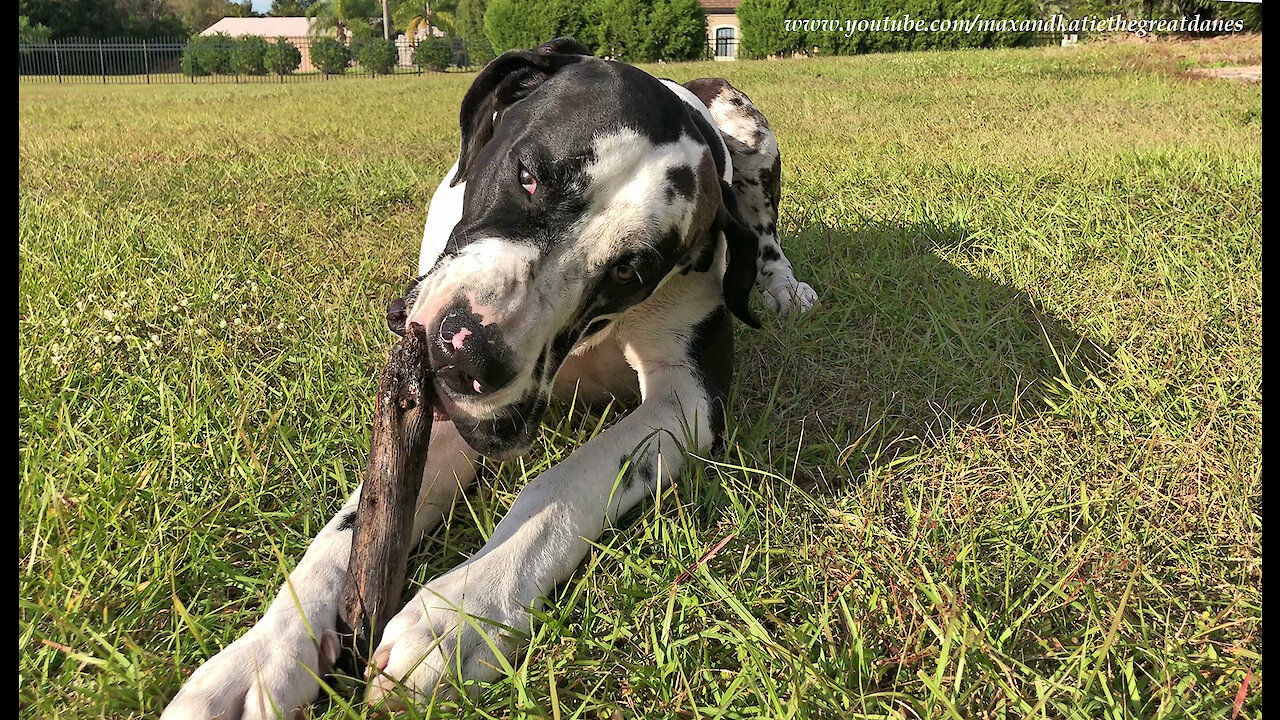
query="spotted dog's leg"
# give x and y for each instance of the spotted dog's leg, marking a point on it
(450, 630)
(757, 186)
(271, 670)
(442, 215)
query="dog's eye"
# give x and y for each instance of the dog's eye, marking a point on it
(527, 180)
(624, 274)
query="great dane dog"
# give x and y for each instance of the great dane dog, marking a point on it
(596, 233)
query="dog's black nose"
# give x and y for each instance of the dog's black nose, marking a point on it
(469, 357)
(396, 316)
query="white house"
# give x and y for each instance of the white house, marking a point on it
(267, 27)
(723, 31)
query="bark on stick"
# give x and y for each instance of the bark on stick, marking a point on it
(384, 519)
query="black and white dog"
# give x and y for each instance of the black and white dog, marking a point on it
(597, 231)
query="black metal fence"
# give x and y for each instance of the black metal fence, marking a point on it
(219, 58)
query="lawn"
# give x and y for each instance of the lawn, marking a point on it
(1010, 466)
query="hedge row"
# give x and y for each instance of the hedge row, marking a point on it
(765, 33)
(222, 54)
(630, 30)
(331, 57)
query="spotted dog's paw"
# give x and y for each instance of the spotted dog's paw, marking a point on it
(269, 672)
(446, 634)
(785, 298)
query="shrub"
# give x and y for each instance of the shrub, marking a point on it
(189, 66)
(433, 54)
(469, 24)
(377, 56)
(674, 30)
(330, 56)
(249, 53)
(209, 54)
(631, 30)
(617, 29)
(479, 51)
(512, 24)
(283, 57)
(468, 18)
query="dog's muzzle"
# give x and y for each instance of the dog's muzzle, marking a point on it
(468, 358)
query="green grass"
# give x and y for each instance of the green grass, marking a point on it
(1009, 467)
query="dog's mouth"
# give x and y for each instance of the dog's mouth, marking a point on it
(444, 408)
(502, 434)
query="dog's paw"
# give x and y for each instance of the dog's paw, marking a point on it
(447, 634)
(269, 672)
(785, 298)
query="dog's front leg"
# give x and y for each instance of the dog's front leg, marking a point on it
(273, 668)
(452, 628)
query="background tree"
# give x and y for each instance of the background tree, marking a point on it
(675, 30)
(525, 23)
(28, 33)
(103, 18)
(630, 30)
(200, 14)
(349, 19)
(469, 18)
(412, 16)
(290, 8)
(617, 29)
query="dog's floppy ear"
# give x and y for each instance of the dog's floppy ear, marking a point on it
(507, 79)
(740, 268)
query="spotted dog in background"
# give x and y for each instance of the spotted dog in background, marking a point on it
(598, 231)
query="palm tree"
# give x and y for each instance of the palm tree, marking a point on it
(420, 15)
(346, 18)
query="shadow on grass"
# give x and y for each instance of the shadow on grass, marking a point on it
(903, 345)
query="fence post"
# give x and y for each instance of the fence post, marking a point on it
(102, 63)
(146, 60)
(57, 60)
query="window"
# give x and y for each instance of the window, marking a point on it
(726, 42)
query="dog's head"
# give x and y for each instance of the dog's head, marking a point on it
(587, 184)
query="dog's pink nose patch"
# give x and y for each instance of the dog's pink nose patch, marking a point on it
(460, 338)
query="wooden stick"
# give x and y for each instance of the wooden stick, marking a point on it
(380, 544)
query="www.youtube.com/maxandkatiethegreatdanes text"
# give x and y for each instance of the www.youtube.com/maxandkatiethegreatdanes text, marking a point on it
(1055, 24)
